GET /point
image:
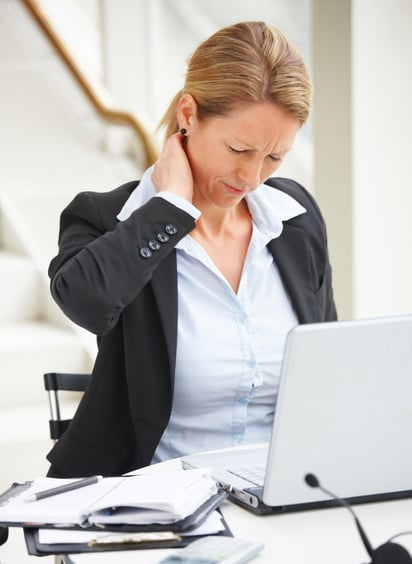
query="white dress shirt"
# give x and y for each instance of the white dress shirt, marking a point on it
(229, 345)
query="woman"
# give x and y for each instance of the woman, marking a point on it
(192, 278)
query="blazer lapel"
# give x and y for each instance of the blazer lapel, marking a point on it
(291, 254)
(164, 284)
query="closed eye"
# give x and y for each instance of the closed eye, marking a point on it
(273, 158)
(236, 151)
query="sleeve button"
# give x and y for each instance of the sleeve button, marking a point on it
(162, 237)
(153, 245)
(145, 252)
(171, 229)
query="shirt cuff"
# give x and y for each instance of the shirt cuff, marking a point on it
(179, 202)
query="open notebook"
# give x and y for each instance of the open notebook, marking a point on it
(168, 500)
(343, 413)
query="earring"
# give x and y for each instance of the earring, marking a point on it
(183, 131)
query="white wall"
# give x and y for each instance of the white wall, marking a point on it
(362, 142)
(382, 156)
(332, 119)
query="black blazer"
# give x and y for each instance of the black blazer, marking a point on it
(102, 282)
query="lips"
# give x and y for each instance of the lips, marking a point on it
(234, 191)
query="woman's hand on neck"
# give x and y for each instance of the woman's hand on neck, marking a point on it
(172, 172)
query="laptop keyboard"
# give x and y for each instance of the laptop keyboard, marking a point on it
(253, 474)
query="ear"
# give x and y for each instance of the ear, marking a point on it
(186, 111)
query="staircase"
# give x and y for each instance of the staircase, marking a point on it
(52, 146)
(31, 343)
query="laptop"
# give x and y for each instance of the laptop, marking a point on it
(343, 413)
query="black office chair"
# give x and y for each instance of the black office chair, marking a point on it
(4, 535)
(54, 383)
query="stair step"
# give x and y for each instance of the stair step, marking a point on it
(24, 436)
(29, 349)
(19, 288)
(25, 424)
(23, 461)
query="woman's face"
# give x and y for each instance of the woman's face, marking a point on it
(231, 155)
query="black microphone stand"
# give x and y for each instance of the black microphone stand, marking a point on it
(387, 553)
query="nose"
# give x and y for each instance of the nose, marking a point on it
(250, 173)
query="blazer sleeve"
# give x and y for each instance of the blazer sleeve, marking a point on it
(100, 268)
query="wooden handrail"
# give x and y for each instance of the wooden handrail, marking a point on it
(94, 92)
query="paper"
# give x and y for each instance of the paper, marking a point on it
(162, 500)
(212, 525)
(159, 498)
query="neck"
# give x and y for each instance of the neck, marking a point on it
(217, 221)
(218, 225)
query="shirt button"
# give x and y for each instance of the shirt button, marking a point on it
(162, 237)
(154, 245)
(251, 363)
(145, 252)
(237, 440)
(171, 229)
(242, 401)
(243, 319)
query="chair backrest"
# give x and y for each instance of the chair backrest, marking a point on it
(54, 383)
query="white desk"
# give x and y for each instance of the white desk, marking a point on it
(324, 536)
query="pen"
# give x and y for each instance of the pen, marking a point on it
(65, 488)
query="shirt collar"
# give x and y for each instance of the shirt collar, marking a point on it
(269, 207)
(140, 195)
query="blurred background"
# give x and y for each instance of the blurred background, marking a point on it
(60, 134)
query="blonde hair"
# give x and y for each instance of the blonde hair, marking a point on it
(244, 63)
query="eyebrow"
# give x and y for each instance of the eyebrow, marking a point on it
(249, 147)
